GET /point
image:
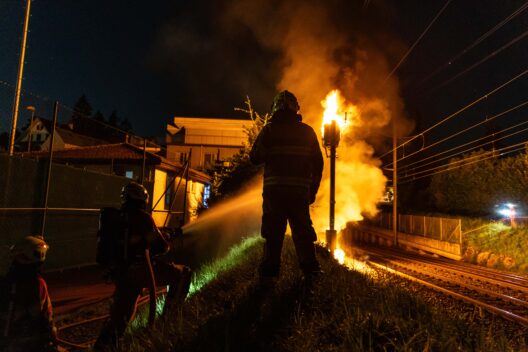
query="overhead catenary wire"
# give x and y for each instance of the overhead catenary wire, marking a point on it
(476, 64)
(476, 42)
(464, 162)
(405, 168)
(459, 111)
(404, 57)
(412, 179)
(464, 130)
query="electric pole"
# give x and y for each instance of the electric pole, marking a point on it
(395, 182)
(18, 87)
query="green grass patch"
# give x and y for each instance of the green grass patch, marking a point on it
(342, 310)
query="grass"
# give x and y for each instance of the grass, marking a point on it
(498, 245)
(343, 310)
(494, 243)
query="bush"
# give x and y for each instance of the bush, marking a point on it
(476, 188)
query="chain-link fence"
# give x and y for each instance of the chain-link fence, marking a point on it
(92, 158)
(443, 229)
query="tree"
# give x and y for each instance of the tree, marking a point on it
(99, 116)
(82, 108)
(113, 119)
(229, 180)
(125, 125)
(477, 182)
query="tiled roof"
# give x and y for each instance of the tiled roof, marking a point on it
(80, 140)
(119, 151)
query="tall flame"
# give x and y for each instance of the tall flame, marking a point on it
(333, 110)
(359, 180)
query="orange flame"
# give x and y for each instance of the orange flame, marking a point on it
(339, 255)
(335, 109)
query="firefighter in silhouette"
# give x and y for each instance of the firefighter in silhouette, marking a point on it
(293, 166)
(25, 307)
(131, 247)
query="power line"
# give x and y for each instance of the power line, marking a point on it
(417, 41)
(464, 162)
(478, 63)
(466, 150)
(465, 130)
(476, 42)
(456, 113)
(458, 167)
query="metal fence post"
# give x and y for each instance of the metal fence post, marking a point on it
(460, 231)
(441, 230)
(50, 160)
(143, 165)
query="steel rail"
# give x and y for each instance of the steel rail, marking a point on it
(461, 283)
(501, 312)
(497, 279)
(87, 344)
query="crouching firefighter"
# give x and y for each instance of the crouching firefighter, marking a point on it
(25, 308)
(129, 246)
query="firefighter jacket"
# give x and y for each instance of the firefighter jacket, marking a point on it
(25, 311)
(290, 152)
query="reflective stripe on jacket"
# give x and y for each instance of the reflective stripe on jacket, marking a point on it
(290, 152)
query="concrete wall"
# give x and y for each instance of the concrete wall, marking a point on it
(384, 237)
(71, 235)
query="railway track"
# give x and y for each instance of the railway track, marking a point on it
(501, 293)
(89, 325)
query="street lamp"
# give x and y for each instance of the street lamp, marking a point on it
(30, 129)
(331, 137)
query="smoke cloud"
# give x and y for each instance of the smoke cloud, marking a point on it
(311, 48)
(319, 55)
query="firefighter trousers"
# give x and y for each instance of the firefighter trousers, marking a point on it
(278, 208)
(129, 287)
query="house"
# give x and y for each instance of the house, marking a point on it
(78, 132)
(164, 179)
(35, 134)
(209, 141)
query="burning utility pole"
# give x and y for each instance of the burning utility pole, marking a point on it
(331, 139)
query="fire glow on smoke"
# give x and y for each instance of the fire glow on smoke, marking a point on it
(360, 183)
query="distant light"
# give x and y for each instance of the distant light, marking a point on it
(507, 210)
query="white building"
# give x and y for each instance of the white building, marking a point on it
(211, 140)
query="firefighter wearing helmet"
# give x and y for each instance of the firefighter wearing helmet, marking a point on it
(26, 313)
(293, 166)
(132, 249)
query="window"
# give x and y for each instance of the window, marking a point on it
(206, 195)
(129, 174)
(208, 158)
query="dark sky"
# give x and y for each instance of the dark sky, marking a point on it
(153, 60)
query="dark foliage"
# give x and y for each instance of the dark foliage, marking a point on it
(232, 178)
(82, 108)
(483, 182)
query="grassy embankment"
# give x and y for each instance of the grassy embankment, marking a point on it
(342, 310)
(495, 244)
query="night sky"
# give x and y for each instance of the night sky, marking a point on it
(195, 58)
